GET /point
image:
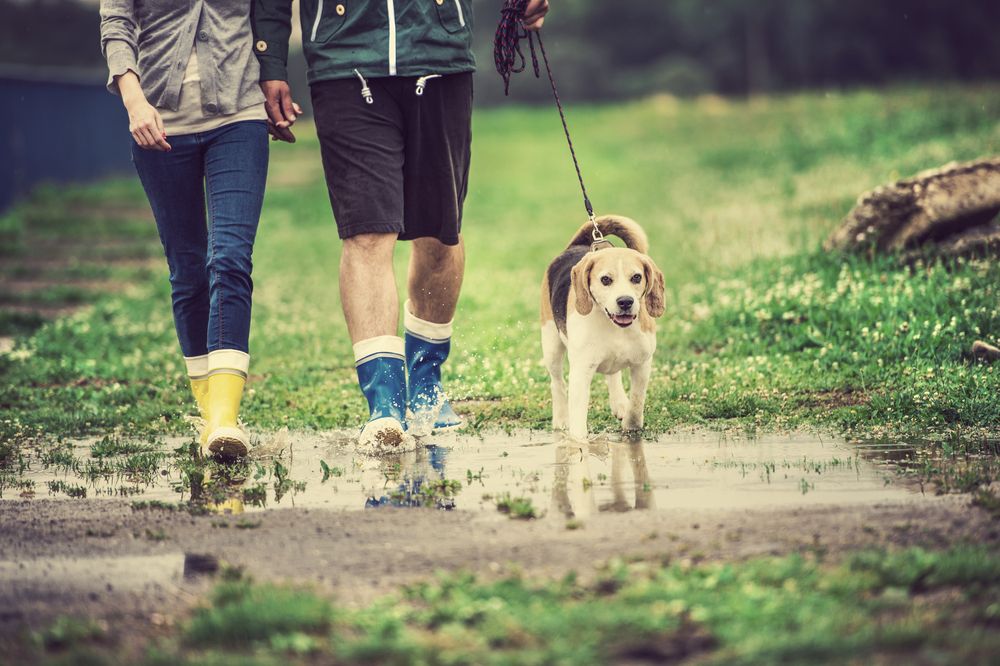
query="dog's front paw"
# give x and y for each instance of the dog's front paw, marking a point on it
(619, 408)
(560, 417)
(632, 421)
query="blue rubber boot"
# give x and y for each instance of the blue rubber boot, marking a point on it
(381, 375)
(427, 348)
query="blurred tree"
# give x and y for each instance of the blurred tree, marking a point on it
(738, 47)
(625, 48)
(49, 32)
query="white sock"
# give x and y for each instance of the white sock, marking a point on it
(197, 366)
(423, 329)
(382, 346)
(229, 361)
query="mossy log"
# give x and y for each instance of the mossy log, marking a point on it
(952, 209)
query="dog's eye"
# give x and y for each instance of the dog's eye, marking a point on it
(637, 278)
(605, 280)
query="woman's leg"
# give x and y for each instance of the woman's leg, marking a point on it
(174, 184)
(235, 173)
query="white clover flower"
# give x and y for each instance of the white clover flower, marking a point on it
(21, 354)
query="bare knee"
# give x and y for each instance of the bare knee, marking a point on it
(433, 253)
(371, 246)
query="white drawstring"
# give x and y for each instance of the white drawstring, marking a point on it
(366, 92)
(422, 82)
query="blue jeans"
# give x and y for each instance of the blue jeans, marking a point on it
(223, 170)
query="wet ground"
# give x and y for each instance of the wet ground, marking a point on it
(559, 478)
(106, 536)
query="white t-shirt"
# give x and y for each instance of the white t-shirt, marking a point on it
(189, 117)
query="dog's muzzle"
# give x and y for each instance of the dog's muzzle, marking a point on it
(623, 320)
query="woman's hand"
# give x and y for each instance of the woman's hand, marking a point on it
(144, 120)
(146, 126)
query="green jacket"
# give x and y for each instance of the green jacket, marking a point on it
(376, 37)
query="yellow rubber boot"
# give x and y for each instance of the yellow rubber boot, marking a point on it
(199, 388)
(229, 507)
(225, 438)
(197, 372)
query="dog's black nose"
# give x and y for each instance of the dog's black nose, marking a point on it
(625, 302)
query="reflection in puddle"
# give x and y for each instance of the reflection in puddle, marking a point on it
(559, 477)
(898, 454)
(414, 479)
(573, 486)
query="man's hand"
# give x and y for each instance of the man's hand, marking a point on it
(534, 14)
(281, 110)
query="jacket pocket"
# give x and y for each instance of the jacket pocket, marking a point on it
(328, 19)
(452, 14)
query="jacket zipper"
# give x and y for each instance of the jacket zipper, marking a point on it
(391, 9)
(461, 16)
(319, 15)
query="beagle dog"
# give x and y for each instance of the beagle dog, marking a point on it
(598, 307)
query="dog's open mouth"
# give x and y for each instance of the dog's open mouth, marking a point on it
(622, 320)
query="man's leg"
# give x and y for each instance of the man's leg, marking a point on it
(368, 286)
(436, 173)
(435, 280)
(362, 147)
(371, 309)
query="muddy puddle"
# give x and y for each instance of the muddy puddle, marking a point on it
(103, 574)
(524, 474)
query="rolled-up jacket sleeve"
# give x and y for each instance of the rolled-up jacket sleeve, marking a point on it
(271, 21)
(119, 39)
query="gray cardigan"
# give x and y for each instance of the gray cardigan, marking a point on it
(153, 38)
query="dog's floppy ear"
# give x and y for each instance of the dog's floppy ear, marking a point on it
(654, 288)
(580, 280)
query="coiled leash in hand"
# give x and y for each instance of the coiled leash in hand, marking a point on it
(506, 49)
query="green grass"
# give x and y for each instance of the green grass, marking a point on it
(762, 329)
(67, 247)
(519, 508)
(243, 614)
(910, 606)
(67, 632)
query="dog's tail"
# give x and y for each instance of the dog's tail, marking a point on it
(615, 225)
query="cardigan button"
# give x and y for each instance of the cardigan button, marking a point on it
(340, 10)
(261, 45)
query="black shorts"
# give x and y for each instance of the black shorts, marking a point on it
(401, 164)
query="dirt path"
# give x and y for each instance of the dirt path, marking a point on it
(118, 559)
